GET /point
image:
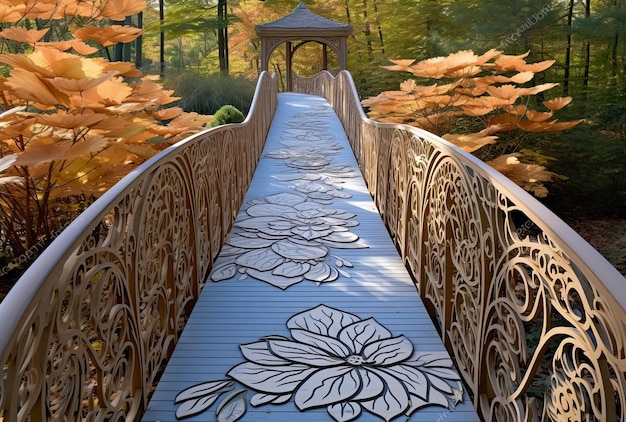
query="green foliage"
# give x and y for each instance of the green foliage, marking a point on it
(594, 159)
(227, 114)
(205, 94)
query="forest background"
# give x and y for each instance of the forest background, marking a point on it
(207, 52)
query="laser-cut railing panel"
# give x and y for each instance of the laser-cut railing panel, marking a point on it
(533, 315)
(87, 328)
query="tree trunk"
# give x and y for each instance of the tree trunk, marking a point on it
(380, 28)
(367, 31)
(568, 48)
(161, 38)
(118, 49)
(587, 55)
(127, 46)
(139, 43)
(222, 36)
(181, 56)
(614, 55)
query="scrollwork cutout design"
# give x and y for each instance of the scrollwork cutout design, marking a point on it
(94, 335)
(515, 309)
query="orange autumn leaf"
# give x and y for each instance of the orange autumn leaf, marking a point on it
(21, 34)
(78, 46)
(110, 92)
(522, 77)
(192, 119)
(557, 103)
(536, 116)
(26, 63)
(133, 128)
(126, 107)
(476, 111)
(11, 13)
(42, 152)
(529, 176)
(113, 123)
(493, 103)
(400, 65)
(66, 65)
(470, 142)
(459, 64)
(505, 92)
(66, 120)
(487, 56)
(31, 87)
(86, 9)
(149, 89)
(536, 67)
(505, 121)
(45, 9)
(108, 35)
(90, 145)
(117, 10)
(408, 86)
(167, 113)
(123, 69)
(538, 88)
(518, 110)
(14, 126)
(507, 63)
(553, 126)
(79, 85)
(79, 102)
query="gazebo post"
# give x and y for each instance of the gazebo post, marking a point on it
(289, 56)
(303, 25)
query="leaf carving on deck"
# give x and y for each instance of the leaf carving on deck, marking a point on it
(198, 398)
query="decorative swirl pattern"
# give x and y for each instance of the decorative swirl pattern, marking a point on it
(536, 332)
(88, 327)
(534, 317)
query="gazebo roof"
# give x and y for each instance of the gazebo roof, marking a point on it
(303, 22)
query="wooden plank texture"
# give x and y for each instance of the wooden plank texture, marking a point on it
(312, 283)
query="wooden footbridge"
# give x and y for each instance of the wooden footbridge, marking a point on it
(310, 264)
(360, 271)
(309, 312)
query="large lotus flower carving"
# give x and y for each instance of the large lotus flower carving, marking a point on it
(285, 239)
(347, 365)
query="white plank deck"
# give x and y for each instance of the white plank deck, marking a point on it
(309, 264)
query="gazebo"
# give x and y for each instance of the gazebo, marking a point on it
(299, 28)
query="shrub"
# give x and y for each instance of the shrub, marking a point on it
(227, 114)
(205, 94)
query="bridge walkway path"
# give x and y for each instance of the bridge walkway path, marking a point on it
(309, 313)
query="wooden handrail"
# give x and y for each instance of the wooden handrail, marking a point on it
(534, 316)
(84, 332)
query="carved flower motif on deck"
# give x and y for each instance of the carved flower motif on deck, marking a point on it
(309, 150)
(285, 239)
(338, 361)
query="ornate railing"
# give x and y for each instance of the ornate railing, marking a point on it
(84, 332)
(533, 315)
